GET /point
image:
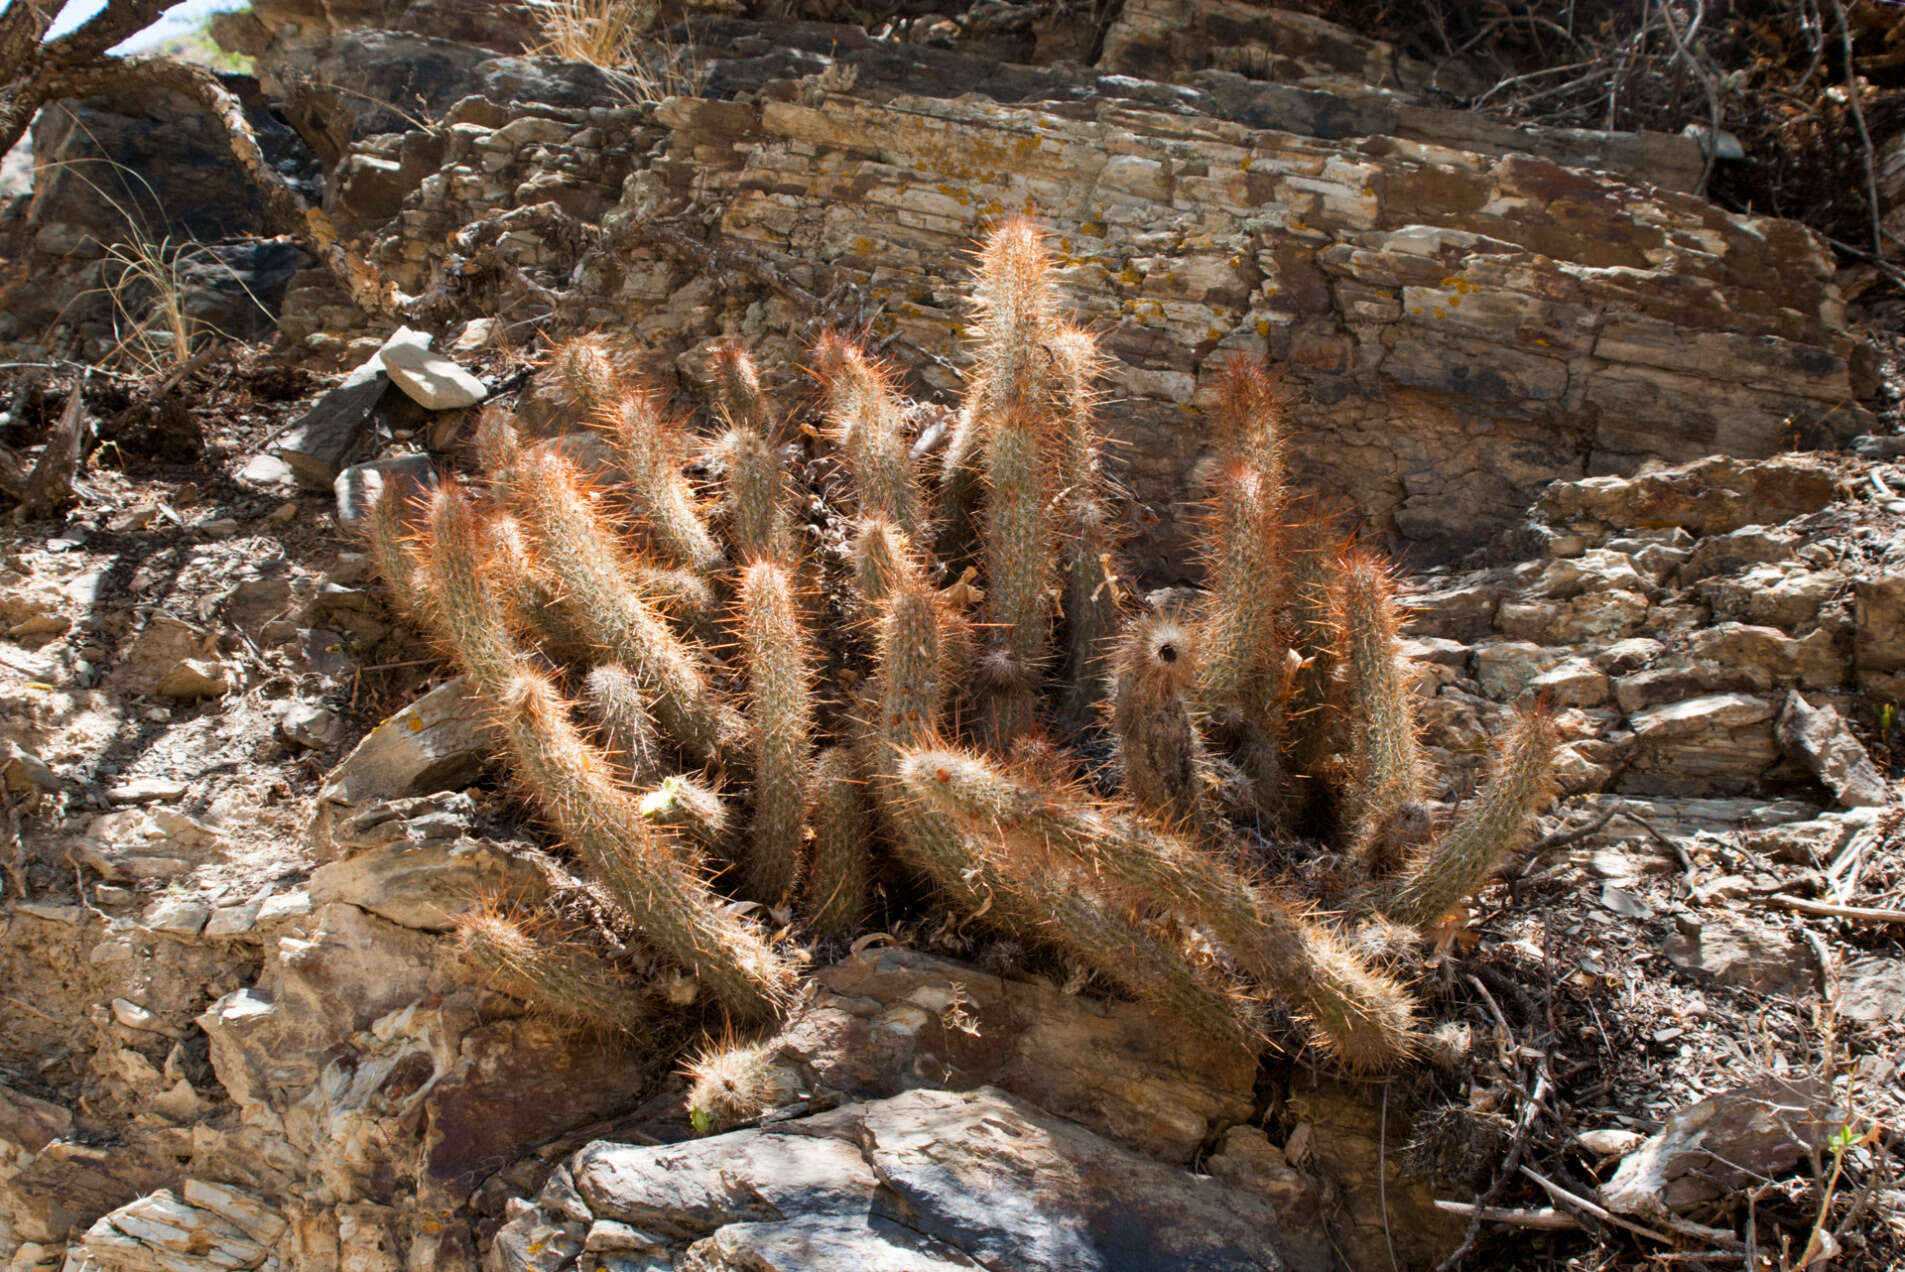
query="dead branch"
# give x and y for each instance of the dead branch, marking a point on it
(49, 485)
(1827, 910)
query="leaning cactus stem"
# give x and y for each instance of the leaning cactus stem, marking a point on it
(651, 449)
(658, 881)
(865, 417)
(1365, 1018)
(1386, 812)
(594, 570)
(1498, 822)
(559, 975)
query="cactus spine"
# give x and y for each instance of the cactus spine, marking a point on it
(780, 718)
(1362, 1016)
(558, 975)
(1384, 792)
(1498, 822)
(651, 450)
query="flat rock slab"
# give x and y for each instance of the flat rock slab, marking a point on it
(317, 444)
(1818, 738)
(922, 1181)
(886, 1020)
(432, 380)
(436, 743)
(1708, 1150)
(1735, 950)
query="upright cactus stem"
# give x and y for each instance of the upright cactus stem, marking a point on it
(1497, 823)
(757, 528)
(836, 887)
(1153, 690)
(389, 547)
(878, 549)
(613, 699)
(651, 448)
(1092, 598)
(1019, 539)
(1016, 306)
(866, 426)
(780, 718)
(587, 375)
(1384, 793)
(738, 391)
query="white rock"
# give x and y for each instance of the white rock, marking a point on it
(431, 380)
(286, 905)
(185, 916)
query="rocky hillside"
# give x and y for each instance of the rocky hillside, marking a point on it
(1634, 455)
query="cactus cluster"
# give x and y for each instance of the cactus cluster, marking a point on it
(672, 703)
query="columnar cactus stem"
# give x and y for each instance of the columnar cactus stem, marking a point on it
(877, 550)
(1154, 676)
(1364, 1017)
(684, 803)
(1018, 534)
(399, 566)
(1016, 304)
(563, 977)
(658, 881)
(865, 417)
(651, 448)
(1384, 792)
(613, 699)
(757, 528)
(738, 391)
(843, 827)
(1499, 821)
(594, 569)
(586, 376)
(780, 718)
(1092, 597)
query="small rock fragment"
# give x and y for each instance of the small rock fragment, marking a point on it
(183, 916)
(310, 725)
(146, 790)
(358, 486)
(194, 678)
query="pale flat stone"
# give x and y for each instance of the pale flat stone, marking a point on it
(432, 380)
